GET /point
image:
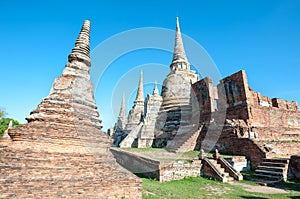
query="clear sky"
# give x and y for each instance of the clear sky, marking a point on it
(261, 37)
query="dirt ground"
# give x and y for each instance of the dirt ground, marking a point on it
(259, 189)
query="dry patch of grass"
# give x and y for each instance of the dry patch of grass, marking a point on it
(197, 188)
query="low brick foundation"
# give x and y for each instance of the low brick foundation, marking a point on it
(137, 164)
(161, 170)
(178, 170)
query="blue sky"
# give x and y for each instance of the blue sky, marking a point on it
(261, 37)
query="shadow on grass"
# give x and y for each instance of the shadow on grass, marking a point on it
(145, 175)
(292, 185)
(295, 197)
(253, 197)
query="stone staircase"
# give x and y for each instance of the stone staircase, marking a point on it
(128, 141)
(212, 168)
(184, 140)
(221, 170)
(272, 170)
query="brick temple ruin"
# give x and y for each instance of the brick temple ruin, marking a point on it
(61, 152)
(194, 114)
(255, 125)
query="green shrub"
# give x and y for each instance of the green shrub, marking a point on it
(4, 122)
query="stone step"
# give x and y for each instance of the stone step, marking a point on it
(277, 160)
(183, 142)
(273, 164)
(269, 168)
(221, 169)
(272, 169)
(273, 173)
(218, 166)
(183, 135)
(230, 179)
(265, 176)
(188, 142)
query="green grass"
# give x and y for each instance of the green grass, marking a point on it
(191, 154)
(143, 149)
(197, 188)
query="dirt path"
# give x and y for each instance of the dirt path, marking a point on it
(259, 189)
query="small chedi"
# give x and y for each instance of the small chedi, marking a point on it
(61, 152)
(194, 114)
(138, 129)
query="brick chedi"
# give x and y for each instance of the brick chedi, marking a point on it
(122, 120)
(135, 118)
(159, 119)
(139, 132)
(135, 115)
(61, 152)
(175, 112)
(152, 106)
(118, 133)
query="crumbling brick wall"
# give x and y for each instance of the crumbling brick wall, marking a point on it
(264, 127)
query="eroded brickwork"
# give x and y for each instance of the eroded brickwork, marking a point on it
(253, 125)
(61, 152)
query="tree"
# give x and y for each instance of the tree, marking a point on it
(2, 113)
(4, 122)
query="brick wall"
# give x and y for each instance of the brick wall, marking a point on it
(232, 90)
(204, 93)
(137, 164)
(161, 170)
(260, 126)
(178, 170)
(229, 142)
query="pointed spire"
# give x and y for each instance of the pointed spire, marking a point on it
(179, 55)
(122, 113)
(155, 90)
(122, 120)
(81, 51)
(140, 92)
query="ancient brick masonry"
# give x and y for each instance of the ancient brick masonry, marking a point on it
(195, 114)
(175, 114)
(62, 152)
(255, 126)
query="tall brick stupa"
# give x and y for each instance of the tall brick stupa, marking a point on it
(61, 152)
(176, 109)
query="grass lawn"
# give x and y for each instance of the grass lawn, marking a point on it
(204, 188)
(163, 154)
